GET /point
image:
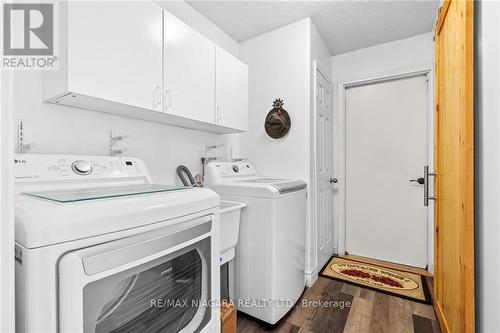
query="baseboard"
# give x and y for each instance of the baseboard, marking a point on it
(311, 277)
(388, 264)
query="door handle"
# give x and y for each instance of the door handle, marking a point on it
(420, 180)
(427, 174)
(334, 180)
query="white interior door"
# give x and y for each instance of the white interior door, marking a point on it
(324, 194)
(386, 146)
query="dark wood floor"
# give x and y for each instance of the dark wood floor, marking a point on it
(370, 311)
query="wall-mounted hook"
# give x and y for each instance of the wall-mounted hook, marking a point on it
(114, 152)
(208, 147)
(115, 139)
(112, 140)
(22, 148)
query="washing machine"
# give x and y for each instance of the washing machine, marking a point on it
(100, 248)
(269, 263)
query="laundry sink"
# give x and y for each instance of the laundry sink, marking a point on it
(230, 214)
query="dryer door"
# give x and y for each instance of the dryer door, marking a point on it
(140, 284)
(163, 296)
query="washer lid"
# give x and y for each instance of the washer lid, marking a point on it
(42, 221)
(261, 188)
(283, 185)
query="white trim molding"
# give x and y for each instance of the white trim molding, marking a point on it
(312, 269)
(339, 148)
(311, 277)
(7, 233)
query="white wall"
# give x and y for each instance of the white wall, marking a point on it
(319, 51)
(413, 53)
(64, 130)
(487, 196)
(387, 58)
(278, 68)
(281, 66)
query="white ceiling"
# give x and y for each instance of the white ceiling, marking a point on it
(344, 25)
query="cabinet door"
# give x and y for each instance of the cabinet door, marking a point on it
(189, 80)
(231, 91)
(115, 51)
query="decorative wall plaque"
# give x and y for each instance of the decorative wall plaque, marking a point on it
(278, 121)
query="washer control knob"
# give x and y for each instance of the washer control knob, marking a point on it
(82, 167)
(236, 168)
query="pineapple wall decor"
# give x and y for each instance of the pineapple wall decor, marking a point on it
(278, 121)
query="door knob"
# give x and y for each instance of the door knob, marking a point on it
(420, 180)
(334, 180)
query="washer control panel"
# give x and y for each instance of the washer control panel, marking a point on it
(225, 171)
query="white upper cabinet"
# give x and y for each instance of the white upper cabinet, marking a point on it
(231, 91)
(189, 67)
(136, 60)
(114, 53)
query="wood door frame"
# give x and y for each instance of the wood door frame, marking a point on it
(340, 149)
(312, 272)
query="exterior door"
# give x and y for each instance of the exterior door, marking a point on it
(324, 198)
(386, 148)
(454, 227)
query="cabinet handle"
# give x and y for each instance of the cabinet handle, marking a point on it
(168, 99)
(156, 97)
(219, 114)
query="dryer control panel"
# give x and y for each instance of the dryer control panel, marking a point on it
(34, 167)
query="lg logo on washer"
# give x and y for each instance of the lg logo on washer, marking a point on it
(28, 36)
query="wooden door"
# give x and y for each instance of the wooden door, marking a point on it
(324, 170)
(454, 224)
